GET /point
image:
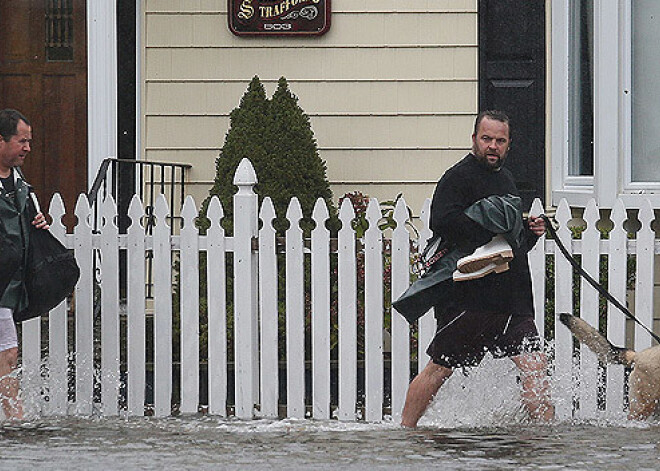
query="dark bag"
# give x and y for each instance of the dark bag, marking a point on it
(51, 275)
(10, 261)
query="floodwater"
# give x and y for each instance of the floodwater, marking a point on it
(211, 443)
(475, 423)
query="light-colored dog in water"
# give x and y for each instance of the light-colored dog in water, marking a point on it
(644, 382)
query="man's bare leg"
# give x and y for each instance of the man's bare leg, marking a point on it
(535, 385)
(9, 386)
(421, 392)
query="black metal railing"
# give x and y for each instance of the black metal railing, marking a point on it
(124, 178)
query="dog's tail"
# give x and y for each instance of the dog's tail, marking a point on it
(596, 342)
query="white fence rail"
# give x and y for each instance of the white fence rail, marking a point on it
(123, 358)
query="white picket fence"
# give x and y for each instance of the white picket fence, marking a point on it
(93, 362)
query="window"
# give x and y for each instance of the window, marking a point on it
(59, 30)
(645, 92)
(581, 76)
(605, 128)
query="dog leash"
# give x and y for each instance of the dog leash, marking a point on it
(603, 292)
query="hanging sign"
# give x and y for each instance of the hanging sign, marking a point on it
(279, 17)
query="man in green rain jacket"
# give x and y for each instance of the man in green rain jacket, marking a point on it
(16, 214)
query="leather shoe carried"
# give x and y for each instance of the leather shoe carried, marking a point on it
(487, 270)
(497, 251)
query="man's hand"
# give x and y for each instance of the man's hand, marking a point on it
(40, 222)
(536, 225)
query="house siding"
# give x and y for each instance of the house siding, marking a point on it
(391, 89)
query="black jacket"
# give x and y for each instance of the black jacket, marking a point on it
(16, 215)
(461, 186)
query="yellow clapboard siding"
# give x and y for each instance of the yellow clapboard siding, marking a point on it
(307, 63)
(318, 96)
(343, 132)
(355, 6)
(394, 28)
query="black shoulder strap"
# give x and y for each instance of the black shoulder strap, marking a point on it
(603, 292)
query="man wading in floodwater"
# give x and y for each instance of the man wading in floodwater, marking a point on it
(490, 304)
(16, 213)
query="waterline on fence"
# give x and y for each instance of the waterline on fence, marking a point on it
(483, 396)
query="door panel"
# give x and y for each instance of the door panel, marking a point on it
(512, 79)
(43, 74)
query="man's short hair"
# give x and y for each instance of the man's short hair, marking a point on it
(9, 120)
(492, 114)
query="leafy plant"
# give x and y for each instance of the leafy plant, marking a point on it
(361, 202)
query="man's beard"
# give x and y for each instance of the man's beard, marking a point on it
(482, 159)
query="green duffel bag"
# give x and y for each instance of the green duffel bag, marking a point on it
(429, 290)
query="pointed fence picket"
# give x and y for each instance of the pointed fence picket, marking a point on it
(590, 243)
(216, 275)
(58, 353)
(136, 310)
(268, 281)
(617, 277)
(373, 315)
(644, 279)
(295, 314)
(85, 304)
(189, 309)
(322, 280)
(162, 265)
(109, 256)
(400, 330)
(562, 381)
(347, 313)
(320, 272)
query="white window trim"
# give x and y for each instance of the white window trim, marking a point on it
(139, 83)
(576, 190)
(612, 111)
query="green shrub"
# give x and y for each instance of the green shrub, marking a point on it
(276, 136)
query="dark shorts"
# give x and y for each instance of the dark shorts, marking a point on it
(462, 339)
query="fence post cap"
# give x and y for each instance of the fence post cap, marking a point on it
(245, 174)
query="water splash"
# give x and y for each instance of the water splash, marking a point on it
(489, 396)
(485, 396)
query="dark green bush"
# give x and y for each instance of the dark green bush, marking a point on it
(276, 136)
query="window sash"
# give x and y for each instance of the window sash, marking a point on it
(628, 96)
(612, 110)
